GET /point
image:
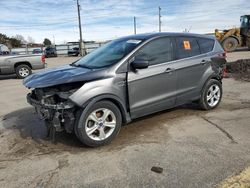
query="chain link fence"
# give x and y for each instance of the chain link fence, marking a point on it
(61, 49)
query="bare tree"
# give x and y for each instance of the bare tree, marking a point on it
(20, 38)
(30, 40)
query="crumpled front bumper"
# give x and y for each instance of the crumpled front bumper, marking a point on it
(58, 114)
(60, 106)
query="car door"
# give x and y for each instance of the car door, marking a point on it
(6, 66)
(153, 89)
(190, 67)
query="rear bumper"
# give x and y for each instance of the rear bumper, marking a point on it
(39, 66)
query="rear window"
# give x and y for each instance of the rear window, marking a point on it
(187, 47)
(206, 45)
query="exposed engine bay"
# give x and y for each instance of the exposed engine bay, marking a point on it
(53, 105)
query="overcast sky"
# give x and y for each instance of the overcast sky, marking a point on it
(108, 19)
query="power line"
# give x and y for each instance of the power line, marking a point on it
(144, 10)
(74, 19)
(38, 25)
(89, 17)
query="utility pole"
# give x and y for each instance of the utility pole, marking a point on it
(134, 25)
(159, 19)
(54, 39)
(80, 28)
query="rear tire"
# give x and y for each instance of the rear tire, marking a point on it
(211, 95)
(22, 71)
(230, 44)
(99, 125)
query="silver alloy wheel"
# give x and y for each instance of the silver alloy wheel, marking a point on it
(213, 95)
(23, 72)
(100, 124)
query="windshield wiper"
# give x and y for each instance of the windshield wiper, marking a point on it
(79, 65)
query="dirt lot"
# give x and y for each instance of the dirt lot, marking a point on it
(240, 54)
(195, 148)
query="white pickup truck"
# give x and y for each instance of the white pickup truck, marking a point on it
(21, 65)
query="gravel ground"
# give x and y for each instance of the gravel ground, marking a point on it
(241, 180)
(239, 69)
(239, 54)
(195, 148)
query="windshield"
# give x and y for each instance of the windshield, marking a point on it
(108, 54)
(244, 21)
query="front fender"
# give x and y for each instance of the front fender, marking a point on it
(113, 89)
(95, 88)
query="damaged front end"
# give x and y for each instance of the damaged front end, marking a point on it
(54, 106)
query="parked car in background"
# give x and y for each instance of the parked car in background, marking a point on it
(37, 51)
(14, 53)
(21, 65)
(50, 52)
(4, 50)
(4, 53)
(126, 79)
(74, 51)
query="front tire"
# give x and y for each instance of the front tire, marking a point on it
(22, 71)
(230, 44)
(99, 125)
(211, 95)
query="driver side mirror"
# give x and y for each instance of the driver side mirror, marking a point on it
(140, 64)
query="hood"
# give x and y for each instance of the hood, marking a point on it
(62, 75)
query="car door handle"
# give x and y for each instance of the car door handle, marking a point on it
(168, 70)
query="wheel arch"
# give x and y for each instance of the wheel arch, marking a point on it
(112, 98)
(215, 77)
(208, 75)
(22, 63)
(212, 76)
(203, 103)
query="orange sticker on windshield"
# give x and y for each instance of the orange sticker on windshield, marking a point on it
(186, 45)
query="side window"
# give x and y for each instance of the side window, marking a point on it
(157, 51)
(187, 47)
(206, 45)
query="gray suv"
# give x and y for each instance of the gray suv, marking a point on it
(125, 79)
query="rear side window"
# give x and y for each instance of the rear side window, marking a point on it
(206, 45)
(157, 51)
(187, 47)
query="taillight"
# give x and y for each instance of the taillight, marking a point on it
(224, 69)
(43, 58)
(224, 73)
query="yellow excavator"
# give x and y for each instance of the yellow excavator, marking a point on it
(230, 39)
